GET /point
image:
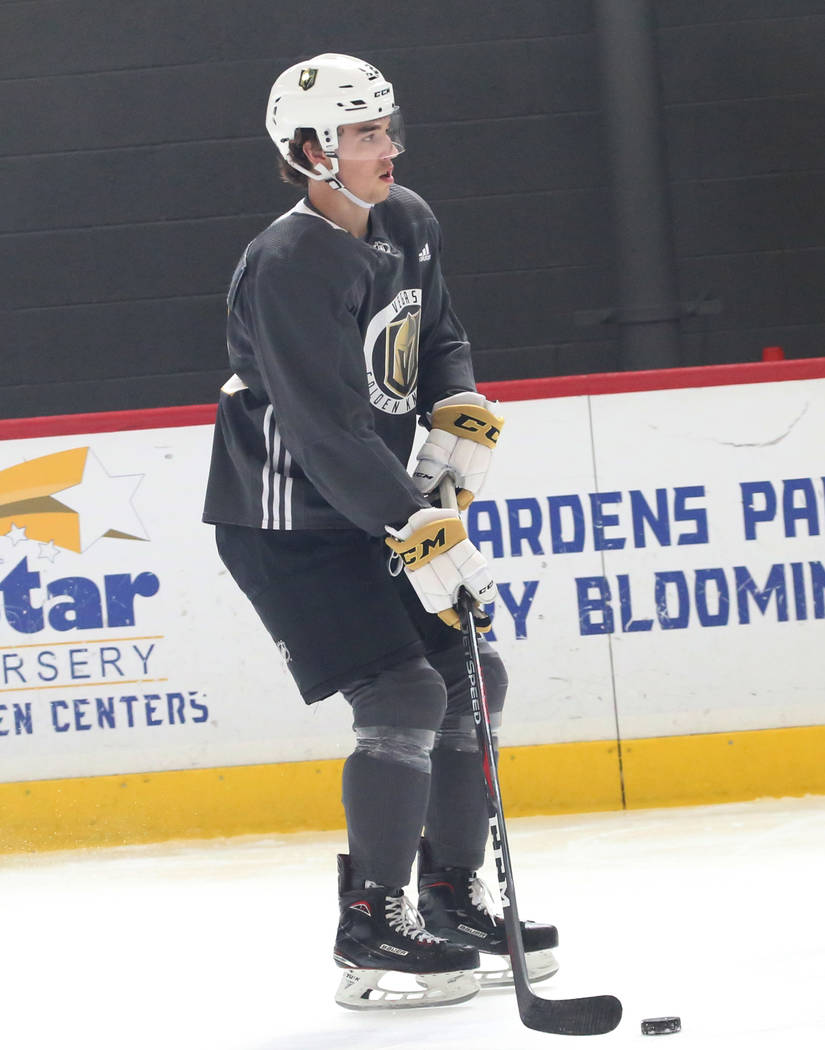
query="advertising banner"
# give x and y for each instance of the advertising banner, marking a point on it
(658, 556)
(666, 557)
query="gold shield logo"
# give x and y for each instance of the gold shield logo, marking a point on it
(307, 78)
(402, 354)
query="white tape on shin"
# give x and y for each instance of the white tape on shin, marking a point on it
(410, 747)
(460, 734)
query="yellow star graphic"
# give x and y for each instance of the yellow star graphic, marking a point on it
(93, 503)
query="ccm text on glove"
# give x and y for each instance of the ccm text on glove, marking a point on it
(464, 434)
(439, 560)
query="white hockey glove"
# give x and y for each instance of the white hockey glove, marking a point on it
(439, 560)
(464, 433)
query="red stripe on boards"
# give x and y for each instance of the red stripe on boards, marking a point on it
(505, 390)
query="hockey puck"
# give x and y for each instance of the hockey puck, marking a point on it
(661, 1025)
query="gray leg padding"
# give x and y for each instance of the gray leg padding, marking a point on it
(386, 782)
(410, 694)
(385, 803)
(451, 666)
(457, 823)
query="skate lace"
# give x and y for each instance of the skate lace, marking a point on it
(481, 897)
(406, 919)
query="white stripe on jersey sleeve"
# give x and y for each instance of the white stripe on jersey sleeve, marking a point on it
(287, 490)
(265, 521)
(277, 447)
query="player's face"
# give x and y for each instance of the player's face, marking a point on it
(365, 158)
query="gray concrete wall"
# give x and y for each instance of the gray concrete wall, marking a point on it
(134, 167)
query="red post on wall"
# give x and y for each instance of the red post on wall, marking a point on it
(773, 353)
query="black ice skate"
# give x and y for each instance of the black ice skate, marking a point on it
(380, 931)
(454, 903)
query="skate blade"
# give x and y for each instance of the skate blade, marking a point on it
(362, 989)
(540, 965)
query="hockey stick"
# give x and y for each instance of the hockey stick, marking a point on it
(590, 1015)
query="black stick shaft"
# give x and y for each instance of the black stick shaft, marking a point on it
(590, 1015)
(495, 808)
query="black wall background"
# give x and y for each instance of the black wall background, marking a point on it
(134, 167)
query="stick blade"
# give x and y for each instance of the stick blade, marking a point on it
(592, 1015)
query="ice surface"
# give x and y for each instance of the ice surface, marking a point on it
(712, 913)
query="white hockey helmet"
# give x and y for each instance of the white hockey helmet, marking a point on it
(324, 93)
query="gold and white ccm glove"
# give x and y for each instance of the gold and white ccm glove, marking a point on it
(439, 560)
(464, 434)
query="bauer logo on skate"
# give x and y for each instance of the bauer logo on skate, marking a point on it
(80, 649)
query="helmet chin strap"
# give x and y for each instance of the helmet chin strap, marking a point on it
(331, 179)
(355, 200)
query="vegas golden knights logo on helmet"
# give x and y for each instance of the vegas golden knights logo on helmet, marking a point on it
(402, 354)
(307, 78)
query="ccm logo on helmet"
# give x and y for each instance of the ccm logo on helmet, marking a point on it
(474, 425)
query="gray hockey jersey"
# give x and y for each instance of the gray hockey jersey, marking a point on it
(338, 345)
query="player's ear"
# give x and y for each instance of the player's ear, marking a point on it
(314, 154)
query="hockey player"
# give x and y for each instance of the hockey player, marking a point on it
(341, 336)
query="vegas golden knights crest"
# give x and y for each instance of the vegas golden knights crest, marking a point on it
(307, 78)
(401, 367)
(391, 353)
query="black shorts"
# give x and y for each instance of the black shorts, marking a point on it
(329, 603)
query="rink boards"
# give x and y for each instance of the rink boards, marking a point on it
(655, 537)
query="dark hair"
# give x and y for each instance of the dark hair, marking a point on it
(296, 152)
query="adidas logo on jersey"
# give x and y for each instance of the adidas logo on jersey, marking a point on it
(424, 254)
